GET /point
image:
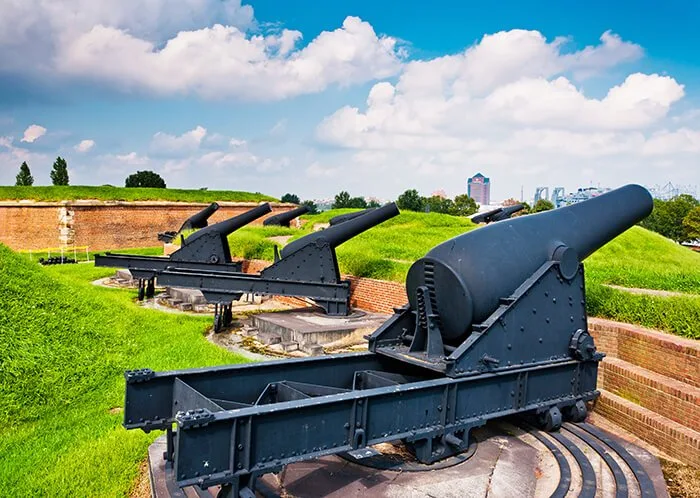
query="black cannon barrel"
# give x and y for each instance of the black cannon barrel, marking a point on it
(338, 234)
(283, 219)
(200, 219)
(342, 218)
(230, 225)
(498, 214)
(470, 273)
(487, 216)
(507, 212)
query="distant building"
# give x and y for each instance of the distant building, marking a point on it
(479, 189)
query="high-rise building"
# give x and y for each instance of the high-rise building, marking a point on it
(479, 189)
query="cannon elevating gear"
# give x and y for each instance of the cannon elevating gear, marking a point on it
(495, 326)
(197, 220)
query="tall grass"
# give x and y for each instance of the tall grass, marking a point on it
(64, 346)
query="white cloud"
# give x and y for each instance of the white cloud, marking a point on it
(33, 133)
(512, 105)
(223, 61)
(166, 144)
(84, 145)
(204, 47)
(132, 158)
(34, 29)
(236, 142)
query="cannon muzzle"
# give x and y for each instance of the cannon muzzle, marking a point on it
(283, 219)
(342, 218)
(200, 219)
(498, 214)
(232, 224)
(342, 232)
(469, 274)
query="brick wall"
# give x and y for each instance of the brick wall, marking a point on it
(666, 354)
(104, 225)
(378, 296)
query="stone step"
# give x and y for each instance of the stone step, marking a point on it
(269, 338)
(674, 439)
(312, 349)
(666, 354)
(668, 397)
(289, 346)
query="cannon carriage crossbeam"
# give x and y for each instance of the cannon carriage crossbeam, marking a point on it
(495, 326)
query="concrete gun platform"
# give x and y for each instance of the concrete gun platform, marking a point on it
(507, 461)
(312, 331)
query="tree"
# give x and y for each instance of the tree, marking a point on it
(542, 205)
(59, 173)
(357, 202)
(145, 179)
(341, 200)
(464, 206)
(373, 204)
(24, 178)
(668, 216)
(410, 200)
(313, 208)
(439, 204)
(293, 198)
(691, 223)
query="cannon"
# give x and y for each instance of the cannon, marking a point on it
(306, 267)
(203, 249)
(495, 326)
(197, 220)
(498, 214)
(284, 219)
(341, 218)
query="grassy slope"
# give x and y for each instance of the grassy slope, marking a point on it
(128, 194)
(384, 252)
(637, 258)
(64, 345)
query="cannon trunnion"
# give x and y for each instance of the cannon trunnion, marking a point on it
(482, 337)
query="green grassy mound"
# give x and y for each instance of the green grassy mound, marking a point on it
(64, 346)
(107, 193)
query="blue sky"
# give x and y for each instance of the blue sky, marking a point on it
(372, 97)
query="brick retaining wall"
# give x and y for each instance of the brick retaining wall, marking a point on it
(103, 225)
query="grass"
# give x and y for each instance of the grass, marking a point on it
(80, 256)
(646, 260)
(383, 252)
(109, 193)
(64, 345)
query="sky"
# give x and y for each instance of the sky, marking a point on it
(371, 97)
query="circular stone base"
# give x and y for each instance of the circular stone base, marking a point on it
(507, 460)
